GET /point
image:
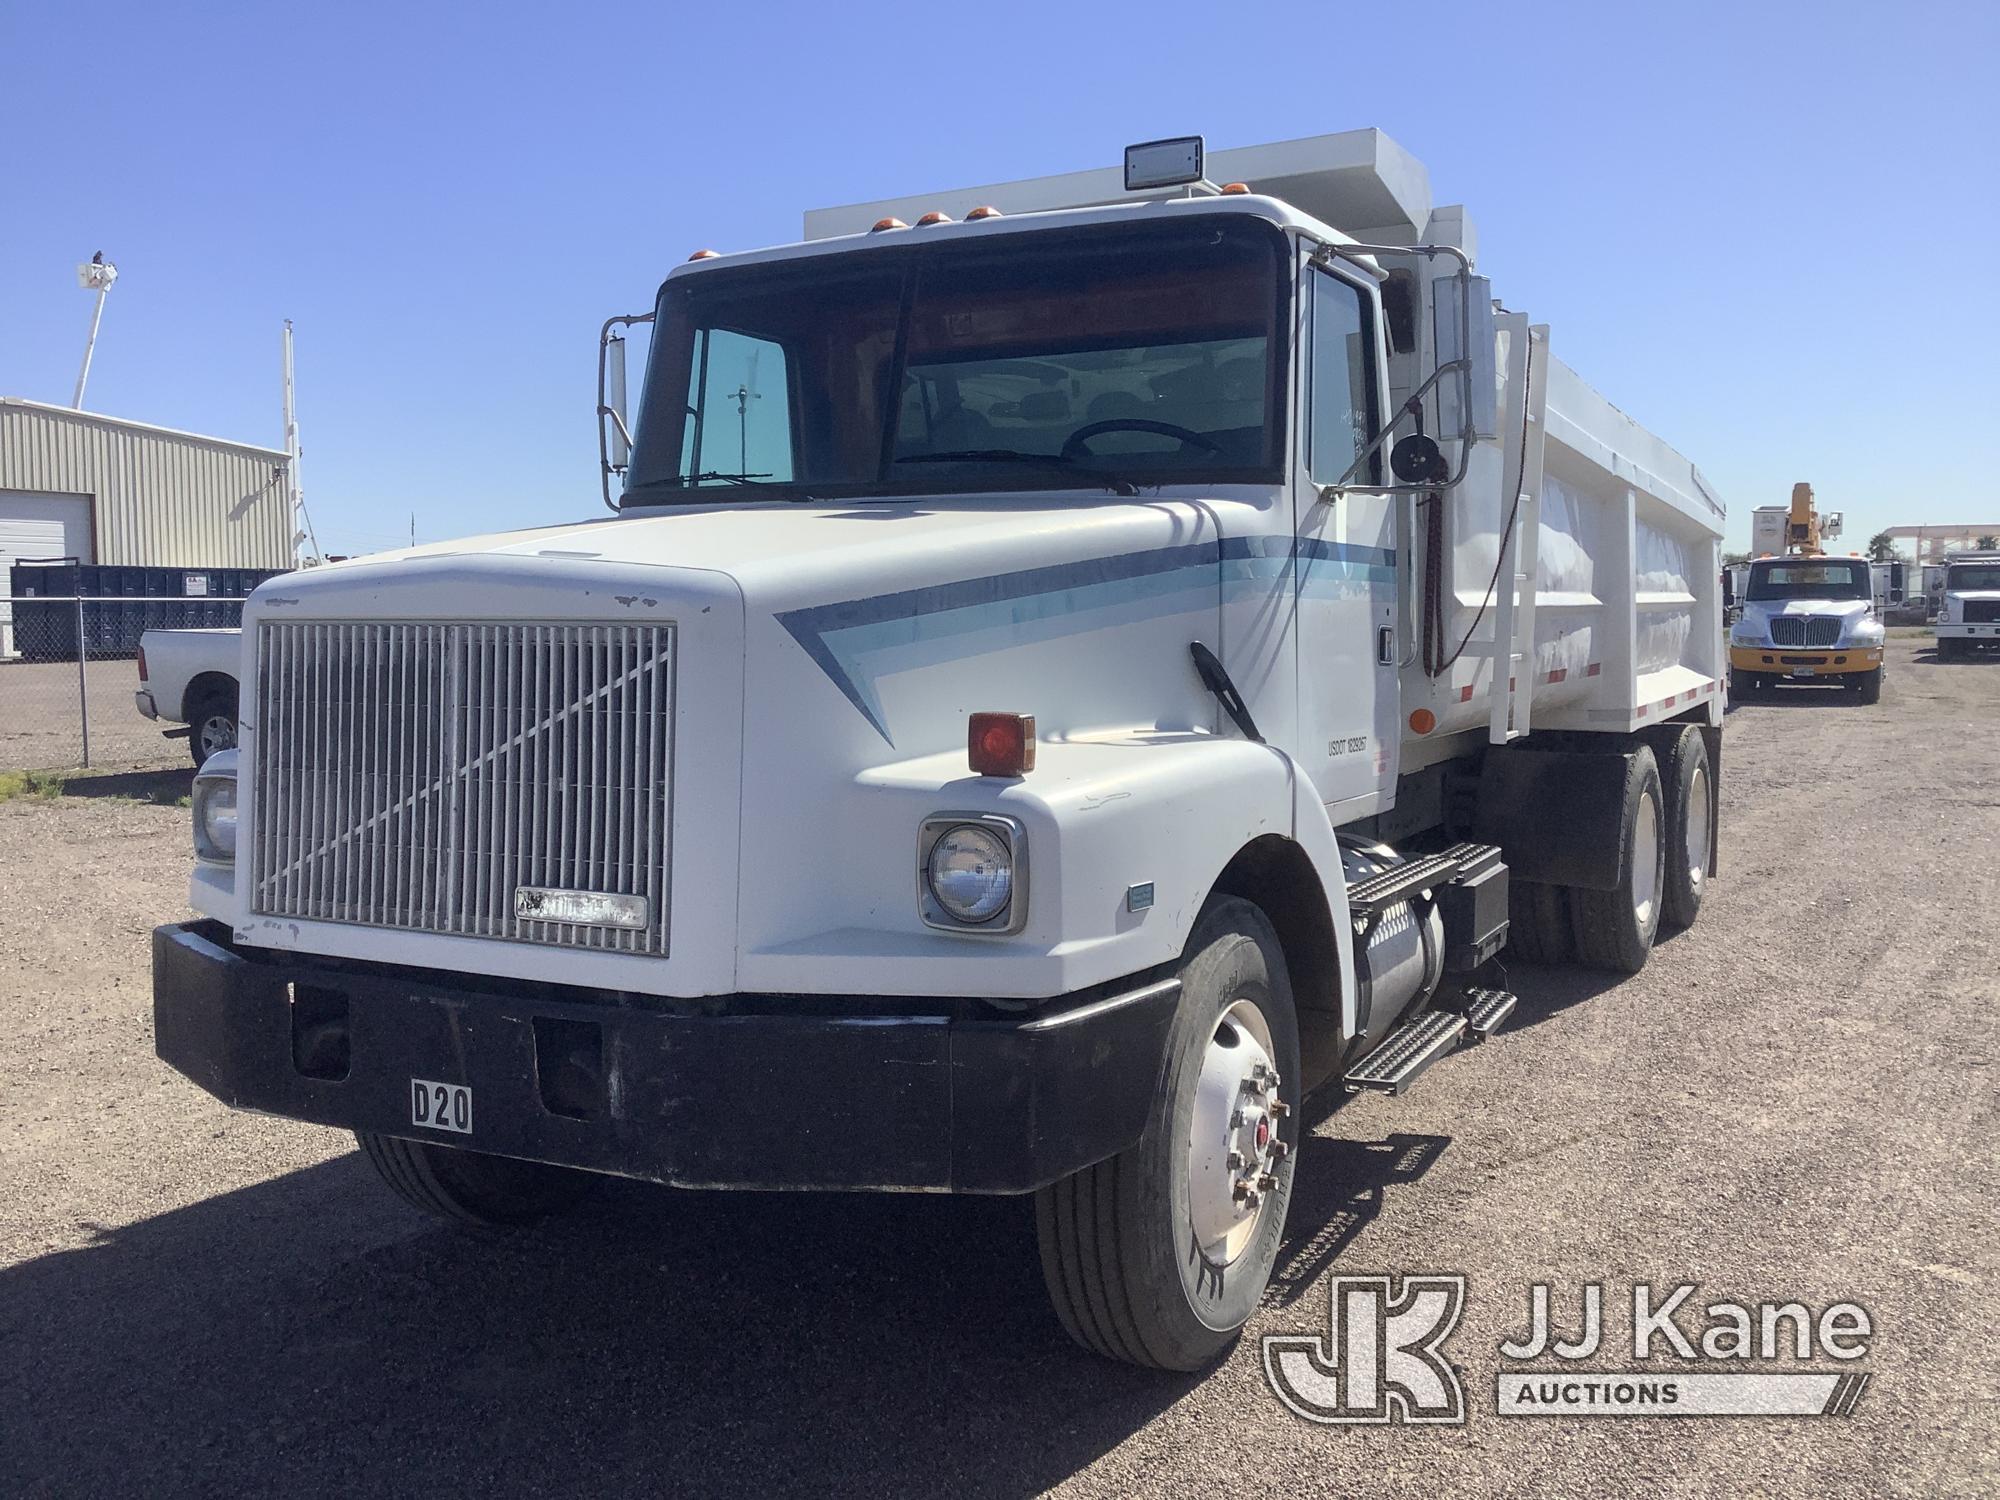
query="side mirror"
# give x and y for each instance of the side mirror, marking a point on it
(1462, 309)
(614, 434)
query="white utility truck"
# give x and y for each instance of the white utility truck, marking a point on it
(1968, 616)
(1065, 679)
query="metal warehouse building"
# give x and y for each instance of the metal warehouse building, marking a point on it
(108, 491)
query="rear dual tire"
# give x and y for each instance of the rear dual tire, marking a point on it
(1614, 929)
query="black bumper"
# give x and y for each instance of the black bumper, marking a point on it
(742, 1091)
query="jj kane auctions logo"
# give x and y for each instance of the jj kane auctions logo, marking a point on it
(1382, 1357)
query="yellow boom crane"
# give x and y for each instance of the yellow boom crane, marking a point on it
(1802, 529)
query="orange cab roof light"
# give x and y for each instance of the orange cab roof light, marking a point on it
(1231, 189)
(889, 223)
(934, 217)
(984, 211)
(706, 255)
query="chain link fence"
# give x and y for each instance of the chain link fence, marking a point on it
(68, 678)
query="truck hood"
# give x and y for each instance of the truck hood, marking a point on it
(1847, 609)
(878, 600)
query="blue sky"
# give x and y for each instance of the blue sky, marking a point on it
(1757, 227)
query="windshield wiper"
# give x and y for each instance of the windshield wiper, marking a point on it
(1015, 456)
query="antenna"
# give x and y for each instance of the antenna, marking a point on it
(94, 275)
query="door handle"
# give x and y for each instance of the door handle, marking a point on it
(1385, 645)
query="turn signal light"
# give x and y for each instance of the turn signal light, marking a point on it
(889, 223)
(984, 211)
(706, 255)
(1423, 721)
(934, 217)
(1000, 744)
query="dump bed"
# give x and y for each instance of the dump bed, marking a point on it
(1615, 620)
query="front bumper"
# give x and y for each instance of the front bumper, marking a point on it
(1789, 661)
(740, 1091)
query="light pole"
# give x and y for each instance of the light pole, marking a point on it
(94, 275)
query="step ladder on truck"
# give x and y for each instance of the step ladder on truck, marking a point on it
(1085, 674)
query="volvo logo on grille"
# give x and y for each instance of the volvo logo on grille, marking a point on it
(535, 903)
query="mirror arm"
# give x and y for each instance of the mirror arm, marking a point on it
(1413, 408)
(1461, 366)
(604, 464)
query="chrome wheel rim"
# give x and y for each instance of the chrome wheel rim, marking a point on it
(1233, 1147)
(1698, 823)
(1645, 862)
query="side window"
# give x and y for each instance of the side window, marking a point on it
(742, 421)
(1341, 392)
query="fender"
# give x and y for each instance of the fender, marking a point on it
(1107, 816)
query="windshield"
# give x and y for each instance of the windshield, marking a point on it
(1084, 358)
(1972, 577)
(1809, 580)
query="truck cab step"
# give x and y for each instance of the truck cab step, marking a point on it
(1405, 1052)
(1371, 897)
(1486, 1010)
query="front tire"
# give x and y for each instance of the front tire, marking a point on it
(1158, 1256)
(1615, 929)
(1870, 686)
(472, 1188)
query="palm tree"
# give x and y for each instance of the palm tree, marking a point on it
(1881, 547)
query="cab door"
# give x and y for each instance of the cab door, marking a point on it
(1346, 566)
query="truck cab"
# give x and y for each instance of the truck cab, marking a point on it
(1068, 672)
(1807, 618)
(1968, 616)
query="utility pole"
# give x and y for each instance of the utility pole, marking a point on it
(302, 526)
(94, 275)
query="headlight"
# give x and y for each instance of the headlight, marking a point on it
(972, 872)
(1744, 634)
(215, 809)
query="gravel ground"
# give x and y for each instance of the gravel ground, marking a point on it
(1794, 1100)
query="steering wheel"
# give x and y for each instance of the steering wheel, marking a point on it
(1073, 446)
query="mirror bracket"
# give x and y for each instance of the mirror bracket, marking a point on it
(1465, 365)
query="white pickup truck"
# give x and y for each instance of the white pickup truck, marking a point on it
(1073, 669)
(188, 678)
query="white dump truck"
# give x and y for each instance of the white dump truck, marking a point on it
(1075, 667)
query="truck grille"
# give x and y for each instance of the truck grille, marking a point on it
(1805, 630)
(414, 775)
(1981, 611)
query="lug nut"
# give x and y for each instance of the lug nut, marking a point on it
(1278, 1109)
(1279, 1150)
(1236, 1161)
(1267, 1182)
(1236, 1119)
(1258, 1070)
(1254, 1087)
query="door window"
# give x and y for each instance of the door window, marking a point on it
(1340, 381)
